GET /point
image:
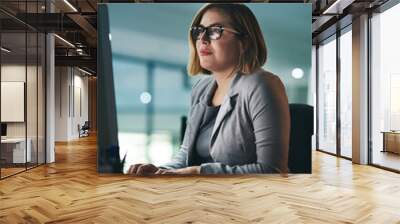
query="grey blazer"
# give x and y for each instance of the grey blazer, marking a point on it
(251, 131)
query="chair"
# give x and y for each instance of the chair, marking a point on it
(301, 131)
(84, 130)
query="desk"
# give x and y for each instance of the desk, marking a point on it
(391, 141)
(15, 148)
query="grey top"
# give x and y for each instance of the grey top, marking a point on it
(204, 136)
(251, 131)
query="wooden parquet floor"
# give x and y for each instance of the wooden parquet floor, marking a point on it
(71, 191)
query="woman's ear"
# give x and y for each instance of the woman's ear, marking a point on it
(244, 45)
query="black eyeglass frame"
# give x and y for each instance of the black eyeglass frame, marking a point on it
(208, 31)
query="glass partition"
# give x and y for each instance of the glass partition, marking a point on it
(31, 99)
(346, 93)
(385, 89)
(327, 95)
(14, 153)
(22, 77)
(41, 91)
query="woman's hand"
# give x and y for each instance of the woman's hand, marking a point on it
(150, 169)
(142, 169)
(186, 170)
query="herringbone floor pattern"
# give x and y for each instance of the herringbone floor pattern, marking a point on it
(71, 191)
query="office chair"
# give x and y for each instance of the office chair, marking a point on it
(301, 131)
(84, 130)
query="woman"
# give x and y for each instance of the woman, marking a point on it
(239, 117)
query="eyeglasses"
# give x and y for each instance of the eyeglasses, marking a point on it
(212, 32)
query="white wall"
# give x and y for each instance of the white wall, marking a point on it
(71, 94)
(61, 103)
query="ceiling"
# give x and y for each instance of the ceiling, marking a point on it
(76, 22)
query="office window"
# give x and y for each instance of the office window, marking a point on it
(171, 102)
(327, 95)
(130, 84)
(385, 87)
(346, 93)
(151, 99)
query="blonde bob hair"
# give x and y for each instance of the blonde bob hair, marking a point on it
(243, 20)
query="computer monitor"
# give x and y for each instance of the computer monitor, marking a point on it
(3, 129)
(107, 135)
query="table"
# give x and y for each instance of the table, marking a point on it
(391, 141)
(15, 148)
